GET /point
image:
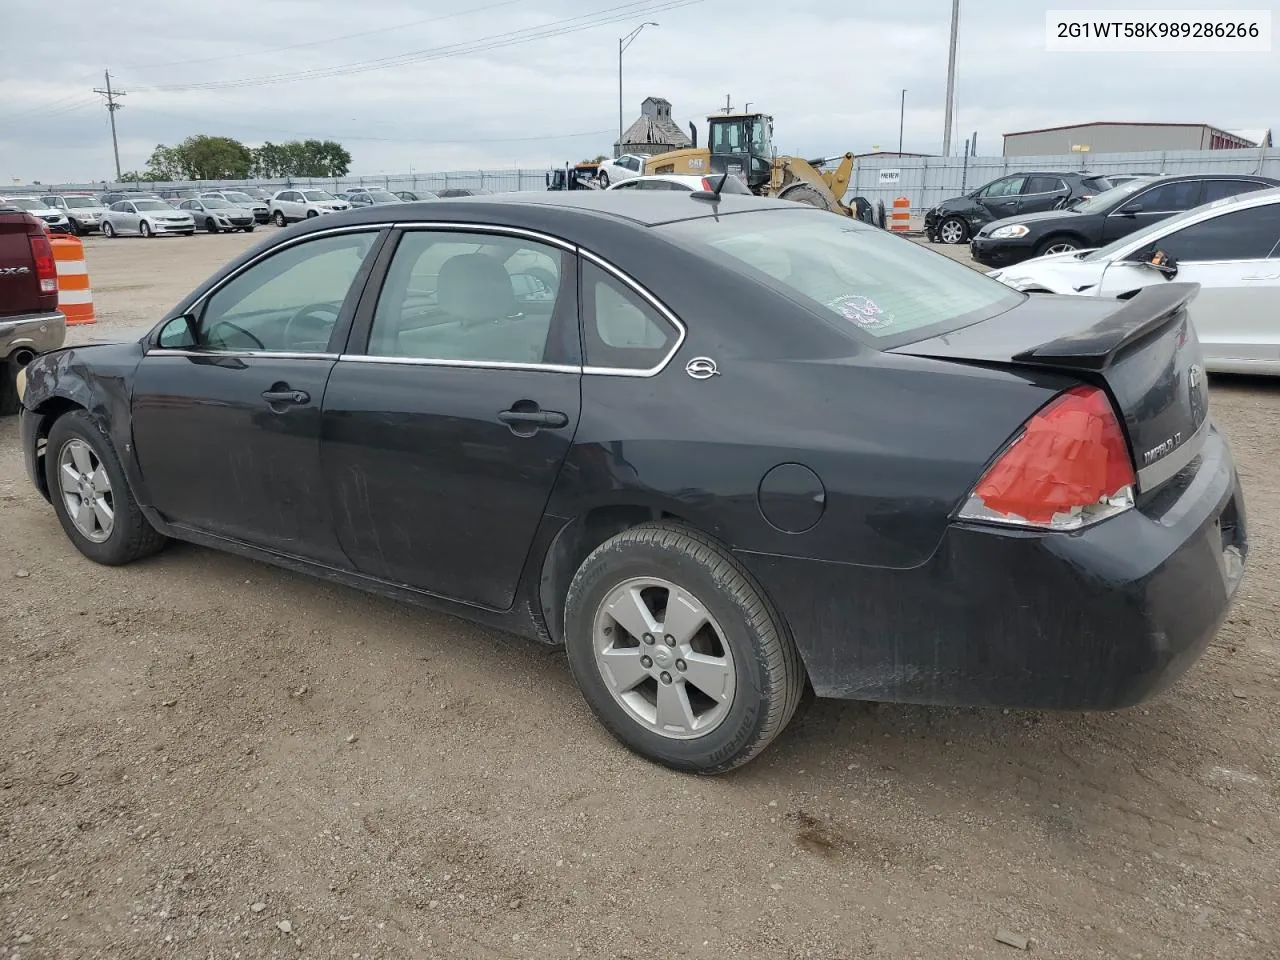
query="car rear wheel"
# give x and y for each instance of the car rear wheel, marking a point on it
(91, 495)
(1054, 245)
(279, 218)
(953, 230)
(249, 228)
(108, 230)
(678, 652)
(144, 228)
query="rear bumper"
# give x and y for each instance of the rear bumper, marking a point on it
(38, 332)
(1095, 620)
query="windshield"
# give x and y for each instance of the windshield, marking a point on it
(27, 203)
(318, 195)
(77, 203)
(213, 203)
(382, 196)
(239, 197)
(151, 205)
(1108, 198)
(863, 281)
(751, 135)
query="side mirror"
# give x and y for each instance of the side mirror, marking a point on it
(180, 333)
(1130, 209)
(1162, 263)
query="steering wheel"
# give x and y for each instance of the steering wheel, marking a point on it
(322, 317)
(258, 344)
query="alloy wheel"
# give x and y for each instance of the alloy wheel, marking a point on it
(1062, 246)
(86, 490)
(664, 658)
(951, 231)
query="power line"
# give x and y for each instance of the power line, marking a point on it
(555, 28)
(112, 107)
(345, 36)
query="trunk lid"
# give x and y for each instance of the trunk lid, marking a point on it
(1143, 351)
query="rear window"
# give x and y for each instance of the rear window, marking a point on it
(871, 284)
(1097, 184)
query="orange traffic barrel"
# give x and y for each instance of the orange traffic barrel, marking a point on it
(75, 298)
(900, 219)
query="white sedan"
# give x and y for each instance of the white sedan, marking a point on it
(299, 204)
(1231, 247)
(620, 168)
(146, 218)
(677, 181)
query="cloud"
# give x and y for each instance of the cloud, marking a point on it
(831, 75)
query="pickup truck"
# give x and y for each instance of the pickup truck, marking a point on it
(30, 322)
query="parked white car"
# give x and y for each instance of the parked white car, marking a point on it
(678, 181)
(291, 205)
(1231, 247)
(83, 210)
(54, 219)
(621, 168)
(146, 218)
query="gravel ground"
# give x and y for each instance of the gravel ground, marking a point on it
(207, 757)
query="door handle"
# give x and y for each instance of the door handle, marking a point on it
(534, 418)
(286, 396)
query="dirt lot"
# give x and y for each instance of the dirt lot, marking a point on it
(206, 757)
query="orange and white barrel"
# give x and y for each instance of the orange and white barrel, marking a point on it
(75, 298)
(900, 219)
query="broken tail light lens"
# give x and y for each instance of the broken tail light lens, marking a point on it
(1068, 468)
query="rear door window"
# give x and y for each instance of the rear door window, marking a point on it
(872, 285)
(1170, 197)
(1250, 234)
(1217, 189)
(1043, 185)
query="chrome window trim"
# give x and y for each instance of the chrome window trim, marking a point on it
(653, 301)
(467, 364)
(419, 226)
(240, 354)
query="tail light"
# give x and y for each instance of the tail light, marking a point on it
(46, 269)
(706, 184)
(1069, 468)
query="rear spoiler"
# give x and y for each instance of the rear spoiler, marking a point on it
(1094, 348)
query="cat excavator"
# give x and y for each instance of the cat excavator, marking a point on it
(741, 144)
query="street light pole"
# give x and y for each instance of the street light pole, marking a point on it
(902, 116)
(951, 76)
(623, 43)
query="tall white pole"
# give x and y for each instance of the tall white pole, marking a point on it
(951, 76)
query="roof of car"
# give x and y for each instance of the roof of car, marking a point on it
(651, 209)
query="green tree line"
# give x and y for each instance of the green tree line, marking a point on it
(204, 157)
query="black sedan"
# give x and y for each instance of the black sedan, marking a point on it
(958, 219)
(718, 449)
(1108, 216)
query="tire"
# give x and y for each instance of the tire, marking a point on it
(129, 536)
(808, 195)
(604, 180)
(279, 219)
(144, 230)
(311, 214)
(952, 230)
(1058, 244)
(249, 228)
(757, 661)
(9, 402)
(108, 231)
(211, 226)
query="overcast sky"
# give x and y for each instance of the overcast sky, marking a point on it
(830, 73)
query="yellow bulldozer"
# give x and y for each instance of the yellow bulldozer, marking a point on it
(741, 144)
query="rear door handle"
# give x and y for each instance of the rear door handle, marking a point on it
(535, 418)
(286, 396)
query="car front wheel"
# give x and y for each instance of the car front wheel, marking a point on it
(604, 180)
(108, 230)
(279, 218)
(953, 230)
(144, 228)
(1055, 245)
(677, 652)
(91, 495)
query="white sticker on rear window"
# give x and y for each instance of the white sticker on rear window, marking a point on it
(863, 311)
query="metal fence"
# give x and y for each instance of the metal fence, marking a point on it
(927, 181)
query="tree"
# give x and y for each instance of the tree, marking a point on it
(301, 158)
(199, 157)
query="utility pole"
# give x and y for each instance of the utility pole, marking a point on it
(951, 76)
(623, 43)
(902, 116)
(112, 106)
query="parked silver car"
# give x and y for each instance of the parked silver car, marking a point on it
(146, 218)
(216, 214)
(243, 200)
(83, 210)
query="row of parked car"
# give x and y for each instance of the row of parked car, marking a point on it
(121, 213)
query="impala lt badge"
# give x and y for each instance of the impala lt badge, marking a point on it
(701, 368)
(1160, 449)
